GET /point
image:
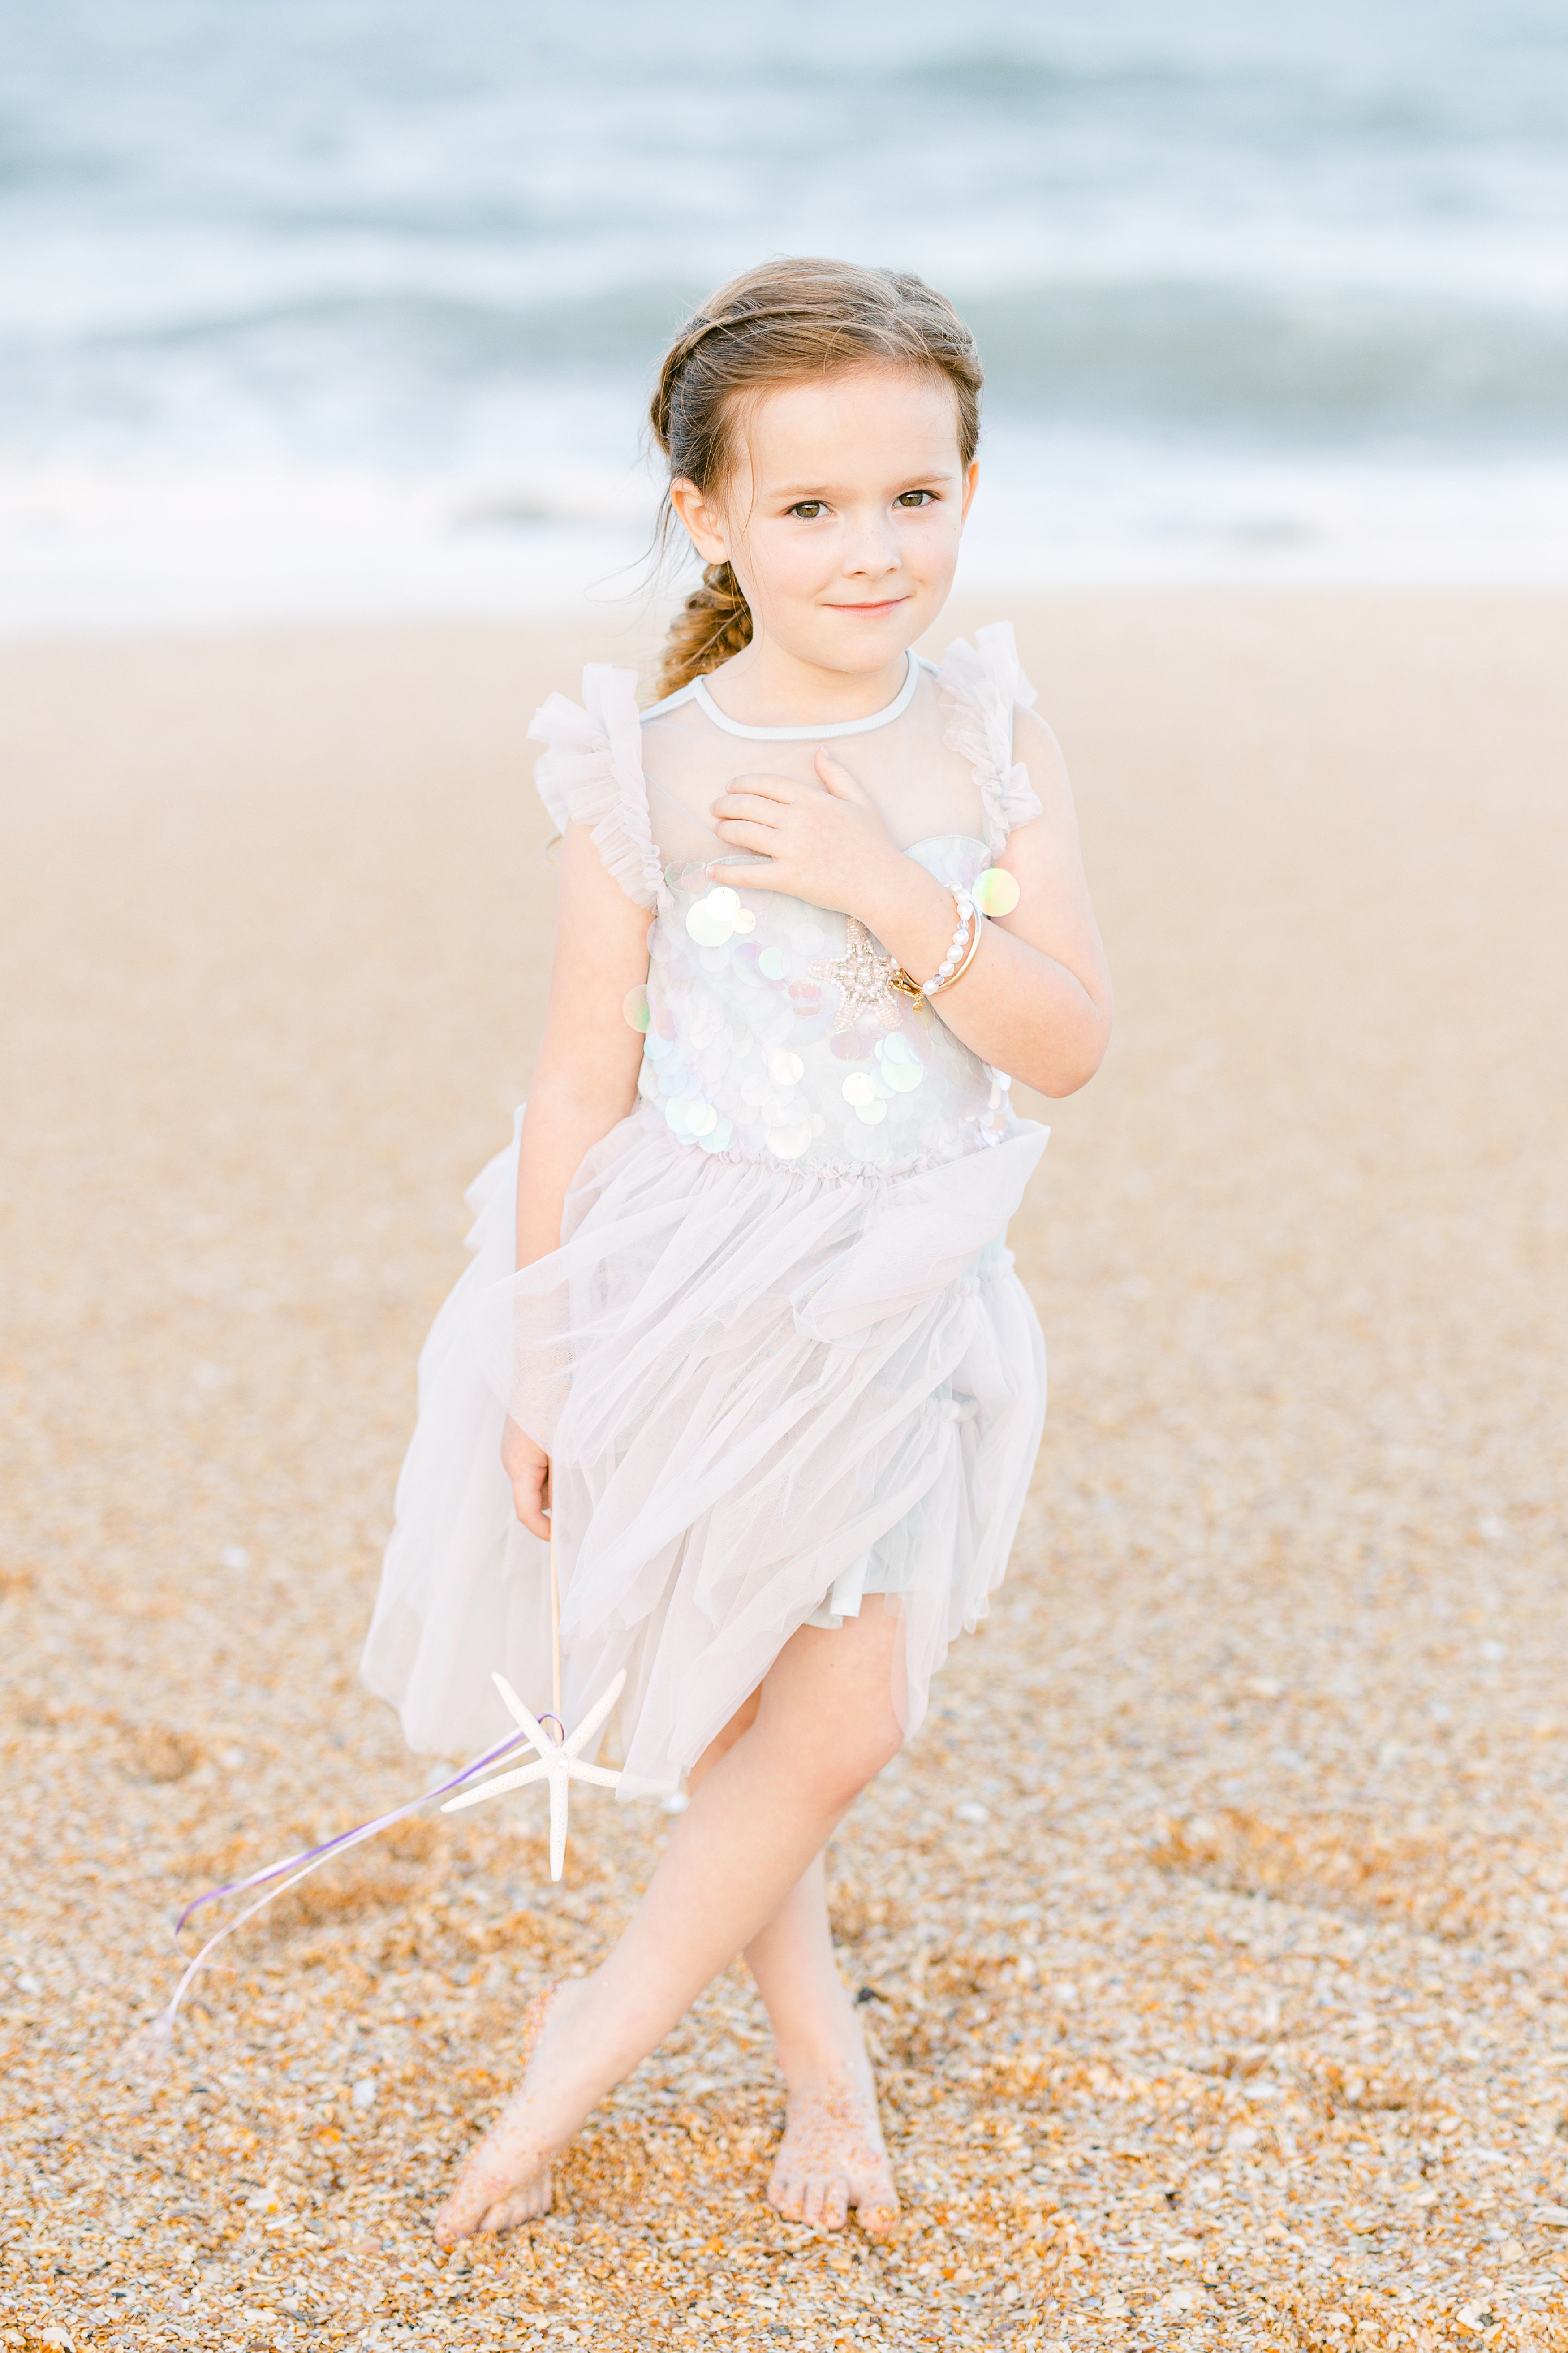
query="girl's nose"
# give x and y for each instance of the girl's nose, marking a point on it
(871, 552)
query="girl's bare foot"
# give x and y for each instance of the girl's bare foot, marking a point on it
(833, 2156)
(506, 2180)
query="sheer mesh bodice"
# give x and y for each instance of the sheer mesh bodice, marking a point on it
(753, 1050)
(901, 759)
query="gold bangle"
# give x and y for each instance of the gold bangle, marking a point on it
(908, 985)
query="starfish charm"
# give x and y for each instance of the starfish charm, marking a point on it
(863, 976)
(558, 1763)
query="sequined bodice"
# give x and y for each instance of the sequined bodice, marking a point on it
(771, 1035)
(755, 1049)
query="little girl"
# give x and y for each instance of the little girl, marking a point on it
(752, 1346)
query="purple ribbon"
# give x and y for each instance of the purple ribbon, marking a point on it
(160, 2035)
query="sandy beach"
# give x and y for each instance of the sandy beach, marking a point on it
(1212, 1932)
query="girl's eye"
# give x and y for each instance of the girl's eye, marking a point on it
(809, 509)
(916, 499)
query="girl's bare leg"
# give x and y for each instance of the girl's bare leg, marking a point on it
(823, 1727)
(833, 2156)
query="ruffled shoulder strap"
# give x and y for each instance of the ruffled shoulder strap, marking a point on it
(591, 773)
(980, 685)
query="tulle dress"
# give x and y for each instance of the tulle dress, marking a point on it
(781, 1361)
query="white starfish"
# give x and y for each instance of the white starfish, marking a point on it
(559, 1762)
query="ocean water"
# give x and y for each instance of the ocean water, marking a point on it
(352, 306)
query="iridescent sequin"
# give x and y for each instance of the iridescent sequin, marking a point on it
(902, 1068)
(995, 892)
(714, 920)
(744, 1053)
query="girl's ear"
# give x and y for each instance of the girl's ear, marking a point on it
(703, 520)
(971, 484)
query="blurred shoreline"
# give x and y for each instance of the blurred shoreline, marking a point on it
(492, 595)
(345, 313)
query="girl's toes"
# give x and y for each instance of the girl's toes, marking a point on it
(817, 2205)
(877, 2221)
(524, 2205)
(461, 2216)
(783, 2195)
(479, 2190)
(833, 2211)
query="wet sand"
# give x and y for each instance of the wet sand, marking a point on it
(1213, 1930)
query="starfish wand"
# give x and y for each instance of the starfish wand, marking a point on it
(558, 1759)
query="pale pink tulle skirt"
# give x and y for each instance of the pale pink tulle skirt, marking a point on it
(764, 1393)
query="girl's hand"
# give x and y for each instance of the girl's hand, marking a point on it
(828, 847)
(527, 1467)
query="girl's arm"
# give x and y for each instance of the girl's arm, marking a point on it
(585, 1080)
(1037, 1000)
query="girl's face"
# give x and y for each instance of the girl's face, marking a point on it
(842, 517)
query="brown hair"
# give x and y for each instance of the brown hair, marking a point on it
(785, 323)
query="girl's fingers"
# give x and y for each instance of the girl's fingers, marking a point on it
(758, 838)
(529, 1504)
(531, 1494)
(772, 788)
(837, 777)
(749, 805)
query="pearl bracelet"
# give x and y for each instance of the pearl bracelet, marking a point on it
(947, 970)
(959, 968)
(960, 954)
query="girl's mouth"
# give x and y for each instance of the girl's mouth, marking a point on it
(871, 612)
